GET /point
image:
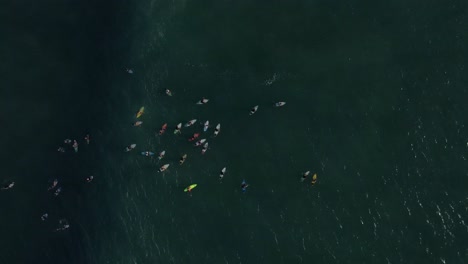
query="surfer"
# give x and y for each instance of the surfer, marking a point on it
(314, 179)
(253, 110)
(67, 141)
(161, 155)
(178, 128)
(64, 225)
(8, 185)
(200, 142)
(182, 159)
(137, 123)
(87, 139)
(163, 168)
(163, 129)
(129, 71)
(203, 101)
(191, 122)
(61, 149)
(244, 186)
(44, 217)
(221, 174)
(54, 183)
(89, 179)
(205, 148)
(195, 136)
(304, 175)
(147, 153)
(57, 192)
(75, 145)
(190, 188)
(217, 129)
(128, 148)
(168, 92)
(278, 104)
(206, 126)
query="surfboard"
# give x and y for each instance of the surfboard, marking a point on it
(142, 110)
(144, 153)
(190, 187)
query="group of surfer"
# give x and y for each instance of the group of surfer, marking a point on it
(74, 145)
(63, 223)
(201, 142)
(314, 177)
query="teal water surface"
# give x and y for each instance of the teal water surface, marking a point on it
(376, 106)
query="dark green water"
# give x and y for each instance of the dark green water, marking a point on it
(376, 106)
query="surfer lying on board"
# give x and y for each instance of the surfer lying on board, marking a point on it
(195, 136)
(87, 138)
(244, 186)
(44, 216)
(54, 184)
(178, 128)
(221, 175)
(8, 185)
(314, 179)
(128, 148)
(137, 123)
(90, 178)
(182, 159)
(61, 149)
(304, 175)
(163, 168)
(253, 110)
(63, 225)
(75, 145)
(163, 129)
(168, 92)
(203, 101)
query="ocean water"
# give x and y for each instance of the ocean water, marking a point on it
(376, 106)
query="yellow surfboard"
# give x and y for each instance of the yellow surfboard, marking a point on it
(142, 110)
(188, 189)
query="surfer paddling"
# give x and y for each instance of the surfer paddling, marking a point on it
(161, 155)
(217, 129)
(163, 129)
(195, 136)
(87, 138)
(191, 122)
(205, 148)
(190, 188)
(168, 92)
(163, 168)
(244, 186)
(178, 128)
(253, 110)
(182, 159)
(8, 185)
(221, 174)
(304, 175)
(206, 126)
(279, 104)
(129, 148)
(314, 179)
(203, 101)
(200, 142)
(75, 145)
(89, 179)
(54, 184)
